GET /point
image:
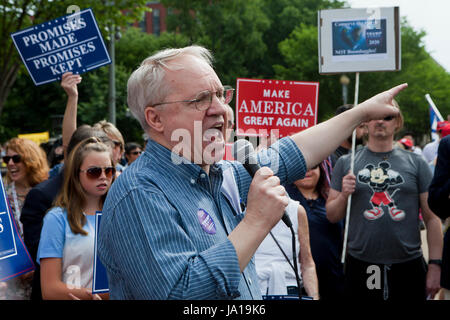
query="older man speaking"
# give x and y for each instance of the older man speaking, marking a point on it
(168, 229)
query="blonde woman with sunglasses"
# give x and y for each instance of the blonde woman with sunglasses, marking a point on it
(66, 248)
(27, 166)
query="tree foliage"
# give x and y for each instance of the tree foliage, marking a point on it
(271, 39)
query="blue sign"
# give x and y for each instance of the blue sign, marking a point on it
(100, 281)
(14, 257)
(359, 37)
(71, 43)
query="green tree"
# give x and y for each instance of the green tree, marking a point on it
(285, 16)
(136, 45)
(253, 39)
(419, 70)
(300, 62)
(232, 30)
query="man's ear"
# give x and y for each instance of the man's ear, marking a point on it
(153, 119)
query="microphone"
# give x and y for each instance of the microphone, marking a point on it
(244, 153)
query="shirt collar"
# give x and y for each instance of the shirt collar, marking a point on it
(164, 157)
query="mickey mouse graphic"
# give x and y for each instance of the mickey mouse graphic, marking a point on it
(379, 179)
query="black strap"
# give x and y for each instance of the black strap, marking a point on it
(282, 251)
(294, 256)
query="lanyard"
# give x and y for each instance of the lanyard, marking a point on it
(16, 206)
(16, 202)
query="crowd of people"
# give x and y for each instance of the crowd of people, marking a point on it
(181, 223)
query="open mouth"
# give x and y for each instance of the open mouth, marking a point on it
(213, 143)
(214, 134)
(102, 186)
(14, 171)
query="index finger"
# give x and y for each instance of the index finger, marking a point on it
(66, 74)
(396, 90)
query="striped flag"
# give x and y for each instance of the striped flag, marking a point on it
(435, 117)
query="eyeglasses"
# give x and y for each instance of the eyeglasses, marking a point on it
(135, 153)
(15, 158)
(96, 172)
(389, 118)
(204, 99)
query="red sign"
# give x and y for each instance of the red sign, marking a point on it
(264, 105)
(228, 152)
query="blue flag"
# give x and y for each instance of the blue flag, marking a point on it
(433, 124)
(435, 117)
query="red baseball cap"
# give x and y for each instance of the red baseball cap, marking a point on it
(445, 130)
(406, 142)
(441, 124)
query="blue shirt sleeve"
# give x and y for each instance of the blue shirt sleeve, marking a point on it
(51, 244)
(284, 158)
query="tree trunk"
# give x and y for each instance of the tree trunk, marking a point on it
(7, 83)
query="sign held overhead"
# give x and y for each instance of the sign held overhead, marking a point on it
(359, 40)
(69, 43)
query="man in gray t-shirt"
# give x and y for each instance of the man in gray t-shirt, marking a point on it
(385, 204)
(388, 188)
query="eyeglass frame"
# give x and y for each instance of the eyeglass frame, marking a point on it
(196, 100)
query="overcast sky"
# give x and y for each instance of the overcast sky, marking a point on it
(432, 16)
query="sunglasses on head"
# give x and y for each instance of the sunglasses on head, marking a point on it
(96, 172)
(15, 158)
(389, 118)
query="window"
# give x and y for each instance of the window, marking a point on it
(143, 23)
(156, 22)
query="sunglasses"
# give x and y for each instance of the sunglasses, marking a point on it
(96, 172)
(135, 153)
(15, 158)
(389, 118)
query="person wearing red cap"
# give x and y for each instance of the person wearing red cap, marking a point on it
(405, 144)
(430, 150)
(445, 130)
(410, 136)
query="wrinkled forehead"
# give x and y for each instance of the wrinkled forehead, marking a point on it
(189, 71)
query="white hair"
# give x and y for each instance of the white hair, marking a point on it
(146, 85)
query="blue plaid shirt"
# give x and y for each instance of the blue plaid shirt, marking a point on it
(165, 226)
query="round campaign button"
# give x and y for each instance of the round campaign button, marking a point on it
(206, 221)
